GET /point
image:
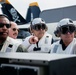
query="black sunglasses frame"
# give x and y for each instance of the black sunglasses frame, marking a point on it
(67, 28)
(14, 29)
(37, 27)
(2, 25)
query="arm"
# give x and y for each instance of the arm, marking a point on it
(21, 48)
(27, 43)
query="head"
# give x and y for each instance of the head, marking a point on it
(65, 29)
(38, 27)
(13, 30)
(4, 27)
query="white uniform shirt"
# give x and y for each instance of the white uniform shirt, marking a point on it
(10, 45)
(44, 44)
(57, 48)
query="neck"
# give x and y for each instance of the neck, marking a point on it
(2, 40)
(67, 43)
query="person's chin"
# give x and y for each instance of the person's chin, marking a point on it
(42, 35)
(4, 37)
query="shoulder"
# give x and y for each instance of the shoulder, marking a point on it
(74, 39)
(54, 47)
(27, 38)
(55, 43)
(11, 40)
(48, 34)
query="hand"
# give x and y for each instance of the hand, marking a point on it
(33, 40)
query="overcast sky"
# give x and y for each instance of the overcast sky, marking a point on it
(22, 5)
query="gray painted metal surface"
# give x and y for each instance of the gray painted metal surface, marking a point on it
(55, 15)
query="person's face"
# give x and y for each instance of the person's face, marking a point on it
(67, 37)
(39, 31)
(13, 31)
(67, 34)
(4, 28)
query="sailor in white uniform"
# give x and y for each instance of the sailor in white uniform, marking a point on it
(40, 40)
(10, 45)
(67, 43)
(7, 44)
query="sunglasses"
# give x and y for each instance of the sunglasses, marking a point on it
(2, 25)
(66, 29)
(14, 29)
(39, 26)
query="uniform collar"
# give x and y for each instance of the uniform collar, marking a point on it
(63, 45)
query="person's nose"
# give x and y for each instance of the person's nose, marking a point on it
(68, 32)
(41, 29)
(4, 27)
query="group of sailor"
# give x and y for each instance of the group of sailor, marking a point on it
(39, 41)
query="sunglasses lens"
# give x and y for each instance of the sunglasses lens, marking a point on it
(14, 29)
(2, 25)
(7, 25)
(39, 26)
(66, 29)
(72, 28)
(43, 26)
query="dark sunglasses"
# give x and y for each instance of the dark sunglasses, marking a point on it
(14, 29)
(67, 28)
(39, 26)
(2, 25)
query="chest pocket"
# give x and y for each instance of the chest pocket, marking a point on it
(9, 48)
